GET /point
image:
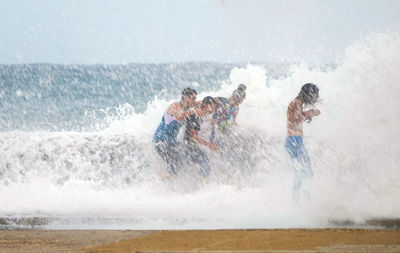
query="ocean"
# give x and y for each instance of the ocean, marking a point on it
(76, 145)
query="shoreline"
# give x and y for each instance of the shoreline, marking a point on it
(47, 223)
(245, 240)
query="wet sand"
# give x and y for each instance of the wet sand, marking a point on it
(274, 240)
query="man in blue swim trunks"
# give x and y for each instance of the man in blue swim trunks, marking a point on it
(192, 139)
(294, 145)
(167, 131)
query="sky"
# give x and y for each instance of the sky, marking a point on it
(164, 31)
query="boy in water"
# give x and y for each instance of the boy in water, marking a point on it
(167, 131)
(226, 112)
(294, 145)
(192, 139)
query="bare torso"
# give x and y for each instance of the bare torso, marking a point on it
(295, 118)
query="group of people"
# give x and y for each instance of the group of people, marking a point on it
(223, 112)
(191, 113)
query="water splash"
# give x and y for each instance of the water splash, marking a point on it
(112, 175)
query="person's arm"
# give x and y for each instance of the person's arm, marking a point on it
(311, 113)
(197, 104)
(176, 110)
(194, 136)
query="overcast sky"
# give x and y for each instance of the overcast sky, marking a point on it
(157, 31)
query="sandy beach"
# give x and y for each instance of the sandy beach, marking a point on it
(274, 240)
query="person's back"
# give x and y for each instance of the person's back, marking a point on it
(168, 129)
(226, 112)
(295, 118)
(221, 115)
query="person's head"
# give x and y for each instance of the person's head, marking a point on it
(309, 94)
(238, 95)
(189, 96)
(208, 105)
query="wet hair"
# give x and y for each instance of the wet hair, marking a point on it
(309, 93)
(208, 100)
(241, 87)
(187, 92)
(239, 93)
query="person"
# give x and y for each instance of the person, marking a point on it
(226, 112)
(165, 137)
(294, 145)
(192, 139)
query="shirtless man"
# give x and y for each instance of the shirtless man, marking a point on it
(294, 145)
(167, 131)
